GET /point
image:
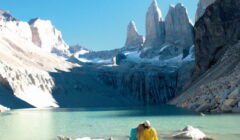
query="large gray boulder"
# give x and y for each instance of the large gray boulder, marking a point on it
(133, 38)
(3, 108)
(190, 132)
(202, 5)
(155, 34)
(178, 27)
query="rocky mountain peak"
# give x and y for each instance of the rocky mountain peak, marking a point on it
(133, 38)
(154, 26)
(178, 27)
(5, 15)
(47, 37)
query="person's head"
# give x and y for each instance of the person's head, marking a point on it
(147, 124)
(140, 130)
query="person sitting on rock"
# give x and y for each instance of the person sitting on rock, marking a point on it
(149, 132)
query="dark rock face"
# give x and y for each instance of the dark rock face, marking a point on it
(218, 27)
(217, 78)
(120, 58)
(202, 6)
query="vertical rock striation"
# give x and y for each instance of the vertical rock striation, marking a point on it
(179, 30)
(155, 34)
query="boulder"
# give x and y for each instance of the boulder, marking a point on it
(234, 94)
(3, 108)
(190, 132)
(204, 107)
(236, 110)
(230, 102)
(84, 138)
(226, 109)
(120, 58)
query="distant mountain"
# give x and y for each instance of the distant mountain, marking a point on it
(47, 37)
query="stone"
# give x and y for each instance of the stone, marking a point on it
(4, 109)
(193, 106)
(236, 110)
(202, 5)
(133, 38)
(178, 28)
(204, 107)
(230, 102)
(190, 132)
(155, 30)
(120, 58)
(234, 94)
(226, 109)
(84, 138)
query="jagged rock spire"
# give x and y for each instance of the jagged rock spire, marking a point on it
(178, 27)
(154, 26)
(133, 38)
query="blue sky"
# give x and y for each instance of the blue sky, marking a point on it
(95, 24)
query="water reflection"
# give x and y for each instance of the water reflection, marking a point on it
(26, 125)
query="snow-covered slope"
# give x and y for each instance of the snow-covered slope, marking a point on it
(25, 66)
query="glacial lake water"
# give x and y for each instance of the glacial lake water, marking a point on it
(31, 124)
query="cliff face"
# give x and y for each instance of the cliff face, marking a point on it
(218, 28)
(216, 79)
(155, 34)
(178, 28)
(202, 6)
(151, 84)
(48, 38)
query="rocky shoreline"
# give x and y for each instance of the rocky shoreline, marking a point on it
(187, 132)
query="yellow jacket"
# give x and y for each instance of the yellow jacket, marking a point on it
(149, 134)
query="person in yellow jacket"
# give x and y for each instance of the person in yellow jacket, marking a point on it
(149, 133)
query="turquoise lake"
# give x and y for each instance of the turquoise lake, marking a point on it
(32, 124)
